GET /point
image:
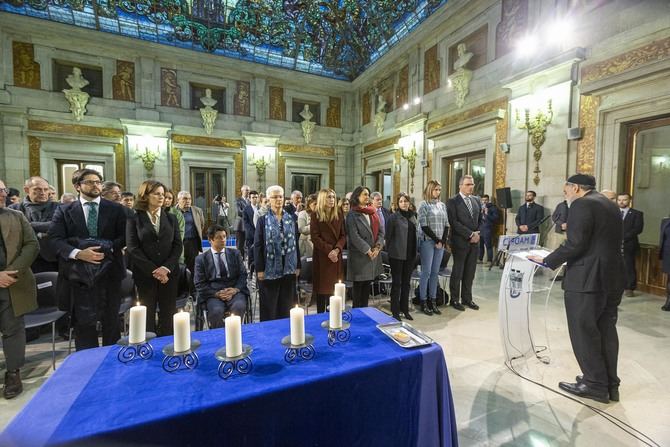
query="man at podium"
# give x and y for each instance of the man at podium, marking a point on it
(592, 286)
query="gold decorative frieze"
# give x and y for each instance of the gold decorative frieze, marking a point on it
(462, 116)
(431, 70)
(242, 102)
(500, 157)
(396, 174)
(306, 150)
(206, 141)
(331, 174)
(120, 164)
(281, 171)
(652, 52)
(26, 70)
(402, 88)
(170, 89)
(386, 142)
(277, 104)
(34, 145)
(334, 112)
(586, 147)
(176, 169)
(123, 82)
(366, 109)
(74, 129)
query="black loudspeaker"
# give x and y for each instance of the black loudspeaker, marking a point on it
(504, 197)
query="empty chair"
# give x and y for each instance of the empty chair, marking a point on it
(47, 312)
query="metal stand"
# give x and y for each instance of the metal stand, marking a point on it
(304, 351)
(337, 334)
(175, 360)
(131, 351)
(228, 365)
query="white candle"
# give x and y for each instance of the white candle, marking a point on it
(336, 311)
(137, 331)
(182, 331)
(233, 336)
(340, 290)
(297, 326)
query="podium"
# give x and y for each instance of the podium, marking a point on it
(522, 281)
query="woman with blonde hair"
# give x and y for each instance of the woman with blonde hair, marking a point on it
(434, 225)
(327, 231)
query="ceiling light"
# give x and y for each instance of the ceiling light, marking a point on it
(527, 45)
(405, 106)
(417, 100)
(558, 31)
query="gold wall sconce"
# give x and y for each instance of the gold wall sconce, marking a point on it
(537, 131)
(411, 157)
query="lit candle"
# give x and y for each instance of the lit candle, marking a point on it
(137, 332)
(182, 331)
(340, 290)
(336, 311)
(233, 336)
(297, 326)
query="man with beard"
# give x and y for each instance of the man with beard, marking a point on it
(530, 215)
(633, 224)
(592, 285)
(88, 236)
(39, 211)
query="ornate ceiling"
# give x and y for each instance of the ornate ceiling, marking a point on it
(333, 38)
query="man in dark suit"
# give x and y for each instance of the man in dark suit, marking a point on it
(88, 235)
(249, 227)
(240, 204)
(489, 219)
(464, 218)
(378, 202)
(664, 256)
(592, 284)
(633, 224)
(530, 215)
(220, 278)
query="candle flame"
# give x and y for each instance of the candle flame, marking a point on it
(138, 303)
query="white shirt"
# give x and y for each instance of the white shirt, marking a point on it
(157, 224)
(74, 252)
(216, 261)
(625, 212)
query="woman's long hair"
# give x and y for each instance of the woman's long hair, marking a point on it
(354, 201)
(323, 213)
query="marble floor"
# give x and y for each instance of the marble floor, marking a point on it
(496, 406)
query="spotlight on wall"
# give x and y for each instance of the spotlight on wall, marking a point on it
(555, 33)
(417, 101)
(526, 46)
(405, 106)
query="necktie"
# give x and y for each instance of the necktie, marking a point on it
(223, 273)
(623, 214)
(92, 221)
(469, 205)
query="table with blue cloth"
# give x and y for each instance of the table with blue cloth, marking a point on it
(366, 392)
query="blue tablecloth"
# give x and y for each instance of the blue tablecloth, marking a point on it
(367, 392)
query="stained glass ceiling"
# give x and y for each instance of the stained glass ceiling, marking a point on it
(333, 38)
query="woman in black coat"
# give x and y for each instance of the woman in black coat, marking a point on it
(401, 248)
(154, 245)
(664, 254)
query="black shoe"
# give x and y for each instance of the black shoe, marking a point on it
(583, 390)
(613, 391)
(397, 317)
(472, 305)
(408, 316)
(13, 386)
(434, 308)
(666, 306)
(457, 306)
(425, 308)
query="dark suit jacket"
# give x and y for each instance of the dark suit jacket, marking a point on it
(664, 245)
(633, 225)
(249, 227)
(461, 222)
(593, 247)
(68, 228)
(148, 250)
(531, 216)
(488, 220)
(387, 215)
(206, 281)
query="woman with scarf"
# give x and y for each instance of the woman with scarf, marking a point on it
(365, 239)
(401, 247)
(276, 257)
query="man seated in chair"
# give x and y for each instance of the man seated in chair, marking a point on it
(221, 278)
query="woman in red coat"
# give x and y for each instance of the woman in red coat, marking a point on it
(327, 231)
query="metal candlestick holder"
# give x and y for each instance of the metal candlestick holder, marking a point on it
(346, 313)
(175, 360)
(304, 351)
(337, 334)
(130, 351)
(241, 363)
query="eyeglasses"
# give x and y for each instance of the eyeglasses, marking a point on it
(91, 182)
(4, 190)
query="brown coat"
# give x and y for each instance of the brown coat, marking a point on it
(325, 237)
(21, 248)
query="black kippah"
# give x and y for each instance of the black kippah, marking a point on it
(582, 179)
